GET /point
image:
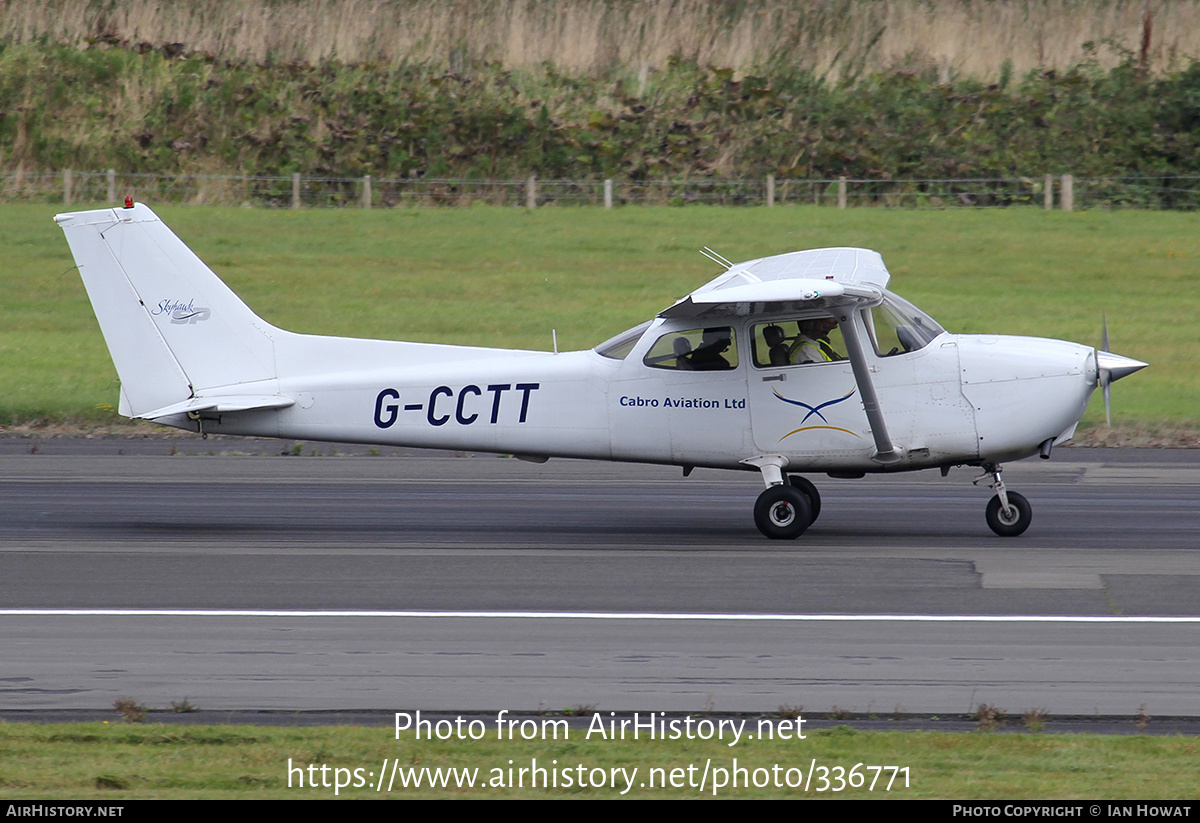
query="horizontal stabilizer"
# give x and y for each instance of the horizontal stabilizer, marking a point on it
(225, 403)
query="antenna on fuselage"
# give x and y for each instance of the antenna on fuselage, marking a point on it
(716, 258)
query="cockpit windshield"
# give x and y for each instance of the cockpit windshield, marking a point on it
(897, 326)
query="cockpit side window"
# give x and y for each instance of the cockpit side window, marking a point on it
(709, 349)
(795, 342)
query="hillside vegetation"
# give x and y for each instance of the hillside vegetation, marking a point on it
(111, 106)
(642, 89)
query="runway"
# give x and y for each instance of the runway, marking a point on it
(222, 553)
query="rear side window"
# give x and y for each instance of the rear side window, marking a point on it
(619, 347)
(709, 349)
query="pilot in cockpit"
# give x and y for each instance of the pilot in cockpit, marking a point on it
(710, 355)
(812, 344)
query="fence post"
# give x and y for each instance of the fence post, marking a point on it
(1048, 193)
(531, 192)
(66, 187)
(1068, 193)
(366, 194)
(112, 187)
(770, 190)
(296, 190)
(608, 193)
(841, 192)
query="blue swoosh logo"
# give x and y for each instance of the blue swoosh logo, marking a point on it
(817, 408)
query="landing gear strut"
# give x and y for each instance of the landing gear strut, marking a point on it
(1008, 513)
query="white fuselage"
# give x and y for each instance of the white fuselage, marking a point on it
(732, 376)
(959, 399)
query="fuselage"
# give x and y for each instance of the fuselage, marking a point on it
(802, 361)
(955, 399)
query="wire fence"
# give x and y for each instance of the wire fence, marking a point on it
(302, 191)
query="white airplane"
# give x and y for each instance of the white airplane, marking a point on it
(786, 365)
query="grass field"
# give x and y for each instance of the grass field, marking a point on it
(507, 277)
(119, 761)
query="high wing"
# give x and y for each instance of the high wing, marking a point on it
(817, 277)
(841, 280)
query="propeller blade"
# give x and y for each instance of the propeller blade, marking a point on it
(1105, 376)
(1111, 367)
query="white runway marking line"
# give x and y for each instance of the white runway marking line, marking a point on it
(792, 618)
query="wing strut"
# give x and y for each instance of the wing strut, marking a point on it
(885, 451)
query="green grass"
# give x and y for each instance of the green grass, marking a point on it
(506, 277)
(118, 761)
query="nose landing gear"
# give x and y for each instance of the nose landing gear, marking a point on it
(1008, 513)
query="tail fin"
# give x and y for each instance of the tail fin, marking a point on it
(174, 330)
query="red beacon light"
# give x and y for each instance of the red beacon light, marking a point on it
(129, 202)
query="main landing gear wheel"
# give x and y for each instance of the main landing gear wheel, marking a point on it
(1016, 521)
(814, 497)
(782, 512)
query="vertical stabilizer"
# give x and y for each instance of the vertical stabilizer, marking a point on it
(172, 327)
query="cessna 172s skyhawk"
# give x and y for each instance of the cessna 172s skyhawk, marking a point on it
(786, 365)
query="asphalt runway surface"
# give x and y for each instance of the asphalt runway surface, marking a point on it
(344, 580)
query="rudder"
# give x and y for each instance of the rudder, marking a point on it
(172, 327)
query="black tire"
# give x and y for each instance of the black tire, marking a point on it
(782, 512)
(1017, 522)
(814, 497)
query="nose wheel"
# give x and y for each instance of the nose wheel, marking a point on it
(1012, 522)
(1008, 513)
